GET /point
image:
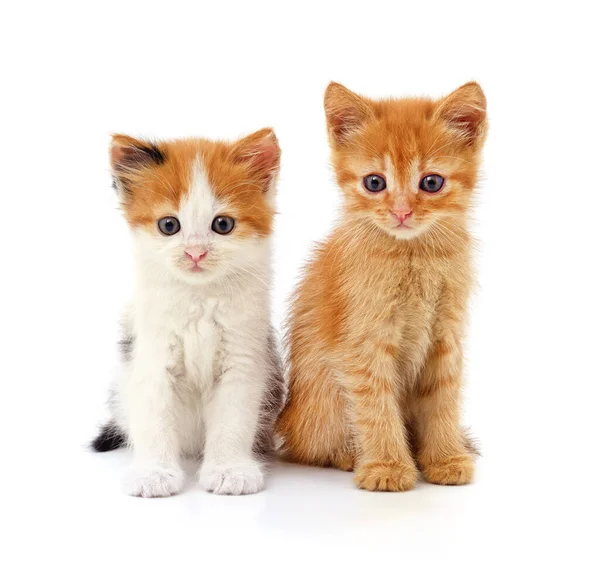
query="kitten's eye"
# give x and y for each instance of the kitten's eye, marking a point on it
(223, 224)
(169, 225)
(374, 183)
(431, 183)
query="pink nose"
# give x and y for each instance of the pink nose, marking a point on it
(402, 214)
(195, 253)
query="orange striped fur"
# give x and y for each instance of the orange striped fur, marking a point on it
(376, 326)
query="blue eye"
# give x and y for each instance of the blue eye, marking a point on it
(169, 225)
(374, 183)
(431, 183)
(223, 224)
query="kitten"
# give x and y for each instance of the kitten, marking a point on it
(376, 324)
(199, 371)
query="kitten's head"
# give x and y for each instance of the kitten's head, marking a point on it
(406, 164)
(199, 209)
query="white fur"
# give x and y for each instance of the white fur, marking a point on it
(200, 362)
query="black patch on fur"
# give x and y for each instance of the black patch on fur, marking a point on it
(137, 157)
(109, 438)
(126, 348)
(154, 153)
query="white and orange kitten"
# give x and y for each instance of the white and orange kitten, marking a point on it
(200, 374)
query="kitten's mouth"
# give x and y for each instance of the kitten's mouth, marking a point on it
(403, 230)
(196, 269)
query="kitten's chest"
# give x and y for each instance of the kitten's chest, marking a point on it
(416, 294)
(201, 341)
(416, 290)
(424, 294)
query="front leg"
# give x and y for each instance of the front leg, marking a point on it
(373, 387)
(149, 404)
(231, 418)
(442, 453)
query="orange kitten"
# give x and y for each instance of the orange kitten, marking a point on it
(376, 329)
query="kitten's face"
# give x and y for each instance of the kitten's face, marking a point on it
(406, 165)
(198, 208)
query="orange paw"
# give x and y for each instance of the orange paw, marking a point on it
(457, 470)
(387, 476)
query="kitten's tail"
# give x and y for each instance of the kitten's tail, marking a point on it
(110, 437)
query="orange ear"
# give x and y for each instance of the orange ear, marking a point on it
(345, 112)
(261, 152)
(464, 110)
(129, 154)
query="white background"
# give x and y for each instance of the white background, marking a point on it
(74, 72)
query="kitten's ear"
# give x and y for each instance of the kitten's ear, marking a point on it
(345, 111)
(128, 154)
(261, 152)
(464, 110)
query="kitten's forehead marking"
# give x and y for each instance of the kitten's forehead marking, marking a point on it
(413, 176)
(198, 208)
(390, 173)
(403, 182)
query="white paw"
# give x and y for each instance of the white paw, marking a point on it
(153, 481)
(243, 479)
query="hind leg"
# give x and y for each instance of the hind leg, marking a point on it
(313, 423)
